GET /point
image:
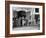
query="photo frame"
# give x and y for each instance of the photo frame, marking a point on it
(24, 18)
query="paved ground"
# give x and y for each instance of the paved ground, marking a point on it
(35, 27)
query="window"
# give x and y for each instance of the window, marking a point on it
(37, 10)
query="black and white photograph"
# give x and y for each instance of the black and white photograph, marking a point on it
(25, 18)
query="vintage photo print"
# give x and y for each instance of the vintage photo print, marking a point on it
(25, 19)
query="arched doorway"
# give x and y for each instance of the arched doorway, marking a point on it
(21, 17)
